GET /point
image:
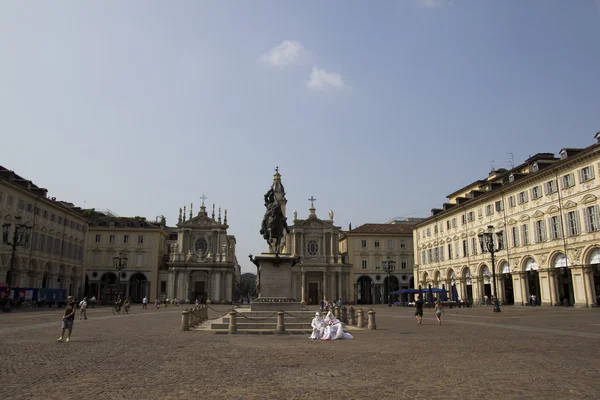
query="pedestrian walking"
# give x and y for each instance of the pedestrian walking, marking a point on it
(145, 303)
(68, 319)
(439, 310)
(419, 310)
(83, 309)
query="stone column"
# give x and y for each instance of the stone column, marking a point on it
(331, 251)
(339, 275)
(186, 291)
(217, 287)
(554, 300)
(170, 284)
(462, 289)
(590, 272)
(325, 288)
(294, 284)
(229, 287)
(209, 291)
(181, 285)
(302, 244)
(349, 286)
(523, 288)
(588, 283)
(303, 288)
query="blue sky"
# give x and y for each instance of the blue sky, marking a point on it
(378, 109)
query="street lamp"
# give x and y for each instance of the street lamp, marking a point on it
(486, 240)
(20, 237)
(388, 267)
(120, 263)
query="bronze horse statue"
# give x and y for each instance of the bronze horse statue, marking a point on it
(274, 224)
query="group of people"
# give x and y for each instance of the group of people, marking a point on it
(328, 328)
(438, 308)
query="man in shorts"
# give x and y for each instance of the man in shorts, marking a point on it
(419, 310)
(68, 319)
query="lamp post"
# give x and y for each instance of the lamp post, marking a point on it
(20, 238)
(120, 263)
(388, 267)
(486, 240)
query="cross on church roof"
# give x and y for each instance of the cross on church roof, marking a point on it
(277, 169)
(203, 197)
(312, 201)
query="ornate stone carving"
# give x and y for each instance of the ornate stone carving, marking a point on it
(575, 254)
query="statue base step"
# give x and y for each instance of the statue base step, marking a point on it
(275, 304)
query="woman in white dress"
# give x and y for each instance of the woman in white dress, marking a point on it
(333, 329)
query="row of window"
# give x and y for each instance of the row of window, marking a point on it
(520, 236)
(107, 259)
(365, 264)
(567, 181)
(29, 207)
(52, 245)
(111, 239)
(377, 244)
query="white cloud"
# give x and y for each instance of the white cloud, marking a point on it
(321, 79)
(431, 3)
(288, 52)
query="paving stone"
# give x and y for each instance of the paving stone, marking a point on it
(521, 353)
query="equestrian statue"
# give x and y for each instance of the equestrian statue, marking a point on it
(274, 224)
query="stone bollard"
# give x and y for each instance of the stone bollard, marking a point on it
(352, 316)
(185, 320)
(361, 321)
(205, 316)
(232, 321)
(344, 315)
(372, 325)
(280, 321)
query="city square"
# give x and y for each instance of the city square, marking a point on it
(300, 199)
(520, 353)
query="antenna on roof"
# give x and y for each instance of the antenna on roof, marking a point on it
(511, 160)
(492, 165)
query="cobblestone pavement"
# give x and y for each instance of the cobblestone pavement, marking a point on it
(521, 353)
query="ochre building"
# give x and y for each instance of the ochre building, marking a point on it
(54, 255)
(367, 247)
(546, 222)
(139, 246)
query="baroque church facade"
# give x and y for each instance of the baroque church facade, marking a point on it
(321, 273)
(201, 261)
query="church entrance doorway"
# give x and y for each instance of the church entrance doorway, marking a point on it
(200, 291)
(313, 293)
(365, 293)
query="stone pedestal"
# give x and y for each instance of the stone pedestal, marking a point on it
(275, 284)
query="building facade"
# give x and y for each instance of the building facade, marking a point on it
(141, 246)
(546, 220)
(202, 262)
(367, 247)
(54, 255)
(321, 273)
